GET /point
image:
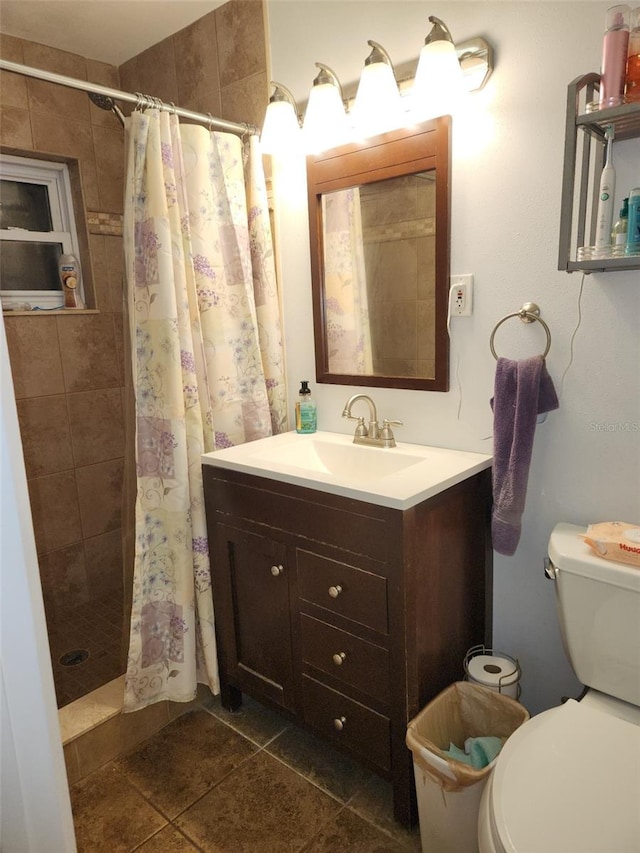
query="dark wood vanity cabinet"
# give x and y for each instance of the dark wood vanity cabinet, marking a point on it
(347, 615)
(254, 628)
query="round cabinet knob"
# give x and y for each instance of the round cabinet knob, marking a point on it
(334, 591)
(277, 570)
(339, 723)
(339, 658)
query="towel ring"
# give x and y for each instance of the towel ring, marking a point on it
(529, 313)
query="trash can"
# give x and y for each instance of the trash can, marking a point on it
(448, 790)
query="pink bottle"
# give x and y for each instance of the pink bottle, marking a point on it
(614, 56)
(632, 90)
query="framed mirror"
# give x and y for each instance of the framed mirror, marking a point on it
(379, 231)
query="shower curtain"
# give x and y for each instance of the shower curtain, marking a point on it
(345, 289)
(208, 372)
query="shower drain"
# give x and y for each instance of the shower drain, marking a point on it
(74, 657)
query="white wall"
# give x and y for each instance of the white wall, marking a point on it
(507, 174)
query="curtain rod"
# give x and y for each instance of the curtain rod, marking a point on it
(143, 100)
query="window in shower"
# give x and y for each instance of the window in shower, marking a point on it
(37, 226)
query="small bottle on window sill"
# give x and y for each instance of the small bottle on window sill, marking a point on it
(69, 270)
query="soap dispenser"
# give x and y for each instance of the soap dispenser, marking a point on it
(306, 416)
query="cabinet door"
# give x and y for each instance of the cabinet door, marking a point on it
(253, 615)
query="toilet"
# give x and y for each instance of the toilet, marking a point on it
(568, 780)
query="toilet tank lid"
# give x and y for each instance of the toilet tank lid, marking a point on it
(570, 553)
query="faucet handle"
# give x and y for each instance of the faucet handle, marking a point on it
(361, 429)
(386, 433)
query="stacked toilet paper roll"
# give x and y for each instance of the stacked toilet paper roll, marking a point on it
(497, 672)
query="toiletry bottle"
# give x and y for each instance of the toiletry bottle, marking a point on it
(619, 231)
(633, 230)
(604, 217)
(632, 80)
(69, 271)
(614, 56)
(306, 416)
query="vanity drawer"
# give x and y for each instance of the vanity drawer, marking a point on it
(348, 659)
(340, 588)
(348, 722)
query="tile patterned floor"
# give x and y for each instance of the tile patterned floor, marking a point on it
(97, 627)
(249, 782)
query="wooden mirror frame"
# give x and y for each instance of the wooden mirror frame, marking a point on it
(406, 151)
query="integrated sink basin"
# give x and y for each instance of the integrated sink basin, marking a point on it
(318, 455)
(398, 477)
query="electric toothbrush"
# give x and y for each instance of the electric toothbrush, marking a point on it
(604, 218)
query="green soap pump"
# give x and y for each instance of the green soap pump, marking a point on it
(306, 416)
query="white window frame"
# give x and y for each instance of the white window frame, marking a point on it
(54, 176)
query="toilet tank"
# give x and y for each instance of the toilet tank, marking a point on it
(598, 605)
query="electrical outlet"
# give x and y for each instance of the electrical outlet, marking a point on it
(461, 296)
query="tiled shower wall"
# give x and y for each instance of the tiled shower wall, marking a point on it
(217, 65)
(68, 370)
(68, 375)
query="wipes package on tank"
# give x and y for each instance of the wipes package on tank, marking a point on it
(615, 540)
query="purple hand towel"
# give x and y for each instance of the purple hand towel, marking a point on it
(523, 390)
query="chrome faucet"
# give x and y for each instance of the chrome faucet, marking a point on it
(371, 434)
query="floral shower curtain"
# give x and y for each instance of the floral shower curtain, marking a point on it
(208, 372)
(346, 300)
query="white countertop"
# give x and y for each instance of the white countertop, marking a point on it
(399, 477)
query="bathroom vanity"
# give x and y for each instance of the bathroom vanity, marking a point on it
(345, 595)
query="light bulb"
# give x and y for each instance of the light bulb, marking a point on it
(280, 131)
(325, 121)
(377, 106)
(438, 88)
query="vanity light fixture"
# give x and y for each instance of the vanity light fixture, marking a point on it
(385, 98)
(439, 84)
(281, 126)
(325, 121)
(377, 107)
(476, 60)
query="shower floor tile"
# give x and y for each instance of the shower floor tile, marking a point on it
(247, 782)
(95, 627)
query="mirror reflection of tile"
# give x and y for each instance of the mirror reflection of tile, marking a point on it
(398, 221)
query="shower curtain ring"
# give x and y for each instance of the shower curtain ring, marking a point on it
(211, 121)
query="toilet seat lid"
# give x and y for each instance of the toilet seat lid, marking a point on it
(569, 780)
